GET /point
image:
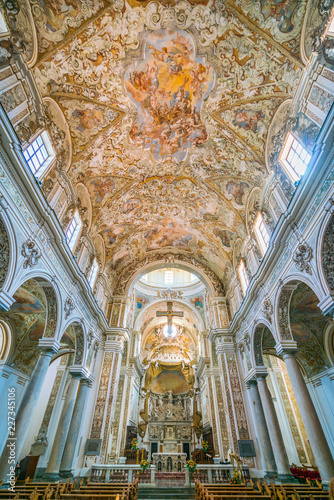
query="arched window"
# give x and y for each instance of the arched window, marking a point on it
(73, 230)
(261, 233)
(243, 276)
(294, 158)
(92, 275)
(39, 154)
(169, 277)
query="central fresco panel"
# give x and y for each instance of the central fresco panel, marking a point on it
(168, 88)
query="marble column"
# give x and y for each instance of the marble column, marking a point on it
(261, 424)
(73, 433)
(320, 449)
(26, 409)
(281, 458)
(52, 470)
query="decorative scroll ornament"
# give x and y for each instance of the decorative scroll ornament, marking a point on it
(68, 307)
(302, 257)
(267, 309)
(31, 253)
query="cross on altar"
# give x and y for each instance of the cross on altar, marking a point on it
(170, 313)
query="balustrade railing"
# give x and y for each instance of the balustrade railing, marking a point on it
(206, 473)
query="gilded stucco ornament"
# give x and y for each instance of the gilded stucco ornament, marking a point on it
(302, 257)
(31, 253)
(179, 184)
(69, 307)
(267, 309)
(328, 253)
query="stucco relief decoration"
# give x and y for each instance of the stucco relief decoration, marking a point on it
(16, 14)
(302, 257)
(283, 19)
(257, 342)
(167, 148)
(51, 306)
(69, 307)
(267, 309)
(79, 344)
(283, 313)
(328, 253)
(4, 253)
(58, 16)
(31, 253)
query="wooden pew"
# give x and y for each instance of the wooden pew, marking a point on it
(202, 490)
(92, 496)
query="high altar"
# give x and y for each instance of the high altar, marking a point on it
(169, 430)
(169, 403)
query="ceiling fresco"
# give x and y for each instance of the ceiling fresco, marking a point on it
(168, 106)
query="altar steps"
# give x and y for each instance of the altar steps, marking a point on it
(166, 493)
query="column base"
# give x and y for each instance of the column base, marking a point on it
(285, 478)
(66, 473)
(270, 474)
(40, 471)
(52, 476)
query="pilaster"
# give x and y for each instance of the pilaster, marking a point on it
(232, 390)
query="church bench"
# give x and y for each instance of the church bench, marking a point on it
(92, 496)
(238, 496)
(103, 486)
(24, 496)
(106, 491)
(227, 492)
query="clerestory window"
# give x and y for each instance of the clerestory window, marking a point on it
(92, 275)
(294, 158)
(73, 230)
(261, 233)
(243, 276)
(39, 154)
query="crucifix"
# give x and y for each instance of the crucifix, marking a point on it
(169, 313)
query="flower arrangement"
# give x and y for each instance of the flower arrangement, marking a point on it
(145, 464)
(236, 477)
(205, 446)
(134, 444)
(191, 465)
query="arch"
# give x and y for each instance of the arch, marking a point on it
(325, 253)
(125, 283)
(257, 341)
(80, 340)
(282, 302)
(34, 314)
(53, 299)
(6, 342)
(299, 319)
(329, 343)
(8, 249)
(186, 305)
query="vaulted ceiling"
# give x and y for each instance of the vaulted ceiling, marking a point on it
(168, 106)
